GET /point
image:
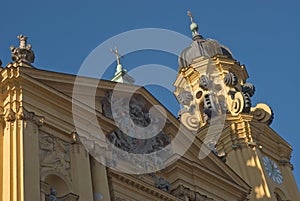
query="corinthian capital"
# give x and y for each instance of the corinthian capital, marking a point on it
(24, 114)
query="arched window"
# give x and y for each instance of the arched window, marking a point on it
(279, 195)
(278, 198)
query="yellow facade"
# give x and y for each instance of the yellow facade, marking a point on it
(44, 156)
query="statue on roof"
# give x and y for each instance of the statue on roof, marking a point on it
(23, 53)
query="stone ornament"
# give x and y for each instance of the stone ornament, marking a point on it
(204, 82)
(163, 184)
(230, 79)
(123, 145)
(211, 90)
(185, 193)
(52, 195)
(120, 144)
(55, 155)
(185, 97)
(263, 113)
(133, 119)
(23, 53)
(236, 104)
(24, 114)
(248, 88)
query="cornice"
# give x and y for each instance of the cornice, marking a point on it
(141, 185)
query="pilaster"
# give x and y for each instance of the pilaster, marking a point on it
(100, 181)
(29, 124)
(81, 171)
(12, 186)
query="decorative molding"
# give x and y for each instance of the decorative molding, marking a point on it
(55, 155)
(119, 199)
(9, 115)
(51, 196)
(44, 187)
(24, 114)
(153, 191)
(263, 113)
(69, 197)
(182, 193)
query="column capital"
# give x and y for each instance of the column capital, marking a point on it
(24, 114)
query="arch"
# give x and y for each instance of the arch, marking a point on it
(279, 194)
(57, 181)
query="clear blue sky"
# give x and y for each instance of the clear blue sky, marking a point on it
(264, 35)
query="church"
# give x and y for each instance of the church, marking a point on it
(70, 138)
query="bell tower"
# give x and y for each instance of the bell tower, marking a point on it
(212, 88)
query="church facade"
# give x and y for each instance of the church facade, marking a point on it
(45, 156)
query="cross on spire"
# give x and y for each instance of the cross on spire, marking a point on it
(118, 56)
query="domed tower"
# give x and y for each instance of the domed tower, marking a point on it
(215, 99)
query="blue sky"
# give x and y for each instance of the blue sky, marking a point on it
(263, 35)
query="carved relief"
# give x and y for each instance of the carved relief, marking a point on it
(184, 193)
(130, 117)
(54, 154)
(121, 144)
(139, 139)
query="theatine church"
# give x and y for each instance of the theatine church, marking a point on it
(219, 147)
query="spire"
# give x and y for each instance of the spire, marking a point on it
(23, 53)
(193, 26)
(121, 74)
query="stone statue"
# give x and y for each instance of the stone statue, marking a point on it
(23, 53)
(163, 184)
(52, 196)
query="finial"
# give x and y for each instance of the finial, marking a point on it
(121, 74)
(118, 56)
(191, 16)
(23, 53)
(116, 52)
(23, 41)
(193, 26)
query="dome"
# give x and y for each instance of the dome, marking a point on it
(200, 47)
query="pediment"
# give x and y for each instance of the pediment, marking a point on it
(188, 170)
